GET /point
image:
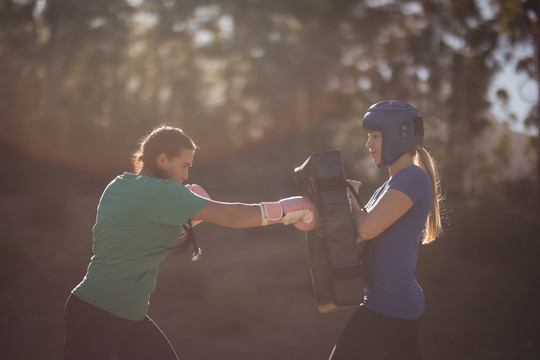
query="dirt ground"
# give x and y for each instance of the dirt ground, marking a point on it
(250, 295)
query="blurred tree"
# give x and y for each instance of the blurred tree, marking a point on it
(83, 58)
(19, 88)
(238, 72)
(457, 49)
(519, 21)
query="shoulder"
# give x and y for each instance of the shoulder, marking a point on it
(169, 188)
(156, 183)
(151, 187)
(411, 173)
(413, 181)
(412, 170)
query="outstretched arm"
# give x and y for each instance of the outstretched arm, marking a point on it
(296, 210)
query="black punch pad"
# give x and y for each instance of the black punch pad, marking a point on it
(332, 247)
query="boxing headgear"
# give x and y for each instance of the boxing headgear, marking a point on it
(401, 127)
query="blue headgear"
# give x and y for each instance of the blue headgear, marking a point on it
(401, 127)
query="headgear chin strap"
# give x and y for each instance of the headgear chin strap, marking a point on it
(401, 127)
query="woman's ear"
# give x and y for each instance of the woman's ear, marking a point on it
(161, 160)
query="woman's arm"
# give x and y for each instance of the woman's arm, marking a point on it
(234, 215)
(296, 210)
(392, 205)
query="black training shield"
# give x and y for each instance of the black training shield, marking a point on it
(332, 246)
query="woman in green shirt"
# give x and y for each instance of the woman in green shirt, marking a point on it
(141, 217)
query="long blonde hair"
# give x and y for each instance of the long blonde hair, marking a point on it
(433, 228)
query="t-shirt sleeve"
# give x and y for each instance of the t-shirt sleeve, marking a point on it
(411, 181)
(175, 204)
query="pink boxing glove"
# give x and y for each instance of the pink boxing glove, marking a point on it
(296, 210)
(198, 190)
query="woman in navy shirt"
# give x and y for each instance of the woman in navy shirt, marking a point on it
(400, 214)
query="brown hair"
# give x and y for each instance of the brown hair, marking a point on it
(433, 227)
(164, 139)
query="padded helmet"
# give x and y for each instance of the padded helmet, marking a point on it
(401, 126)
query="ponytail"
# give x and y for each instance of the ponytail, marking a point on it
(433, 226)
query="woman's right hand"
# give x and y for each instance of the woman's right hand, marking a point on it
(297, 210)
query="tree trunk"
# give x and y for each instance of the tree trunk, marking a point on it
(535, 6)
(537, 52)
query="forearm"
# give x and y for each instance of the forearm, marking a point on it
(233, 215)
(239, 215)
(360, 219)
(388, 209)
(295, 210)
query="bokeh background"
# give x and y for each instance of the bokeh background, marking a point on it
(261, 85)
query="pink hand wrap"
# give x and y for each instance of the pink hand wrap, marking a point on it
(296, 210)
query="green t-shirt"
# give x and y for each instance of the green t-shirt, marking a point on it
(138, 218)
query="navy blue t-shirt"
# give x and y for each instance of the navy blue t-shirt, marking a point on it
(389, 267)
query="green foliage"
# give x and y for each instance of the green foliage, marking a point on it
(512, 14)
(85, 80)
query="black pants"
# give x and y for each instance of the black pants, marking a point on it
(92, 333)
(374, 336)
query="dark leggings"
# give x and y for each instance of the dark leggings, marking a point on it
(92, 333)
(374, 336)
